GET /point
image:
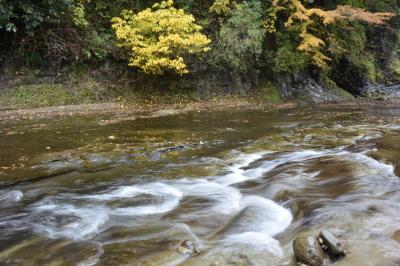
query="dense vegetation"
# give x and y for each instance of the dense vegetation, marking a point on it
(214, 44)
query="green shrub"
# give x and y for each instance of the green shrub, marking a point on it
(240, 38)
(287, 58)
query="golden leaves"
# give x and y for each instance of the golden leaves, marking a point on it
(272, 15)
(159, 38)
(307, 21)
(310, 42)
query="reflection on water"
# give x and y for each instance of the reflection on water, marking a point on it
(240, 185)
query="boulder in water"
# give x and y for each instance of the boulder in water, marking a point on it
(331, 244)
(308, 251)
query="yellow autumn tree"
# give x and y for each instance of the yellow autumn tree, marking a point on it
(160, 37)
(309, 21)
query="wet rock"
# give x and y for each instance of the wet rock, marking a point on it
(187, 247)
(308, 251)
(331, 244)
(302, 87)
(166, 112)
(283, 195)
(160, 153)
(381, 91)
(239, 259)
(397, 170)
(396, 236)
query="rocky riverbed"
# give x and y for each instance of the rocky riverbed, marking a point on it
(201, 188)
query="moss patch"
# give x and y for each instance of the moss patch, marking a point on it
(330, 84)
(270, 92)
(35, 96)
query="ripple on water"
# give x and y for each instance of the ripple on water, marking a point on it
(9, 198)
(243, 207)
(82, 217)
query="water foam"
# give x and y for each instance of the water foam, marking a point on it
(154, 189)
(69, 221)
(11, 197)
(82, 217)
(95, 216)
(164, 207)
(238, 174)
(265, 220)
(225, 199)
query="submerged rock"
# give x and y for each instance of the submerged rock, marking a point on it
(187, 247)
(331, 244)
(308, 251)
(312, 250)
(166, 112)
(396, 236)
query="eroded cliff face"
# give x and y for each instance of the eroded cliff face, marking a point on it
(305, 88)
(302, 87)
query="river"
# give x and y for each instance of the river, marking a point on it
(238, 184)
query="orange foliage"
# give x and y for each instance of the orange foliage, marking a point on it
(348, 12)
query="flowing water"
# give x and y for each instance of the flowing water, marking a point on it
(240, 185)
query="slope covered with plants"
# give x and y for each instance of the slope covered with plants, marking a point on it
(213, 45)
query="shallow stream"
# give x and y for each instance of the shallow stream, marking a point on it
(240, 185)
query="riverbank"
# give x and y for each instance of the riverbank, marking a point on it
(130, 110)
(127, 110)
